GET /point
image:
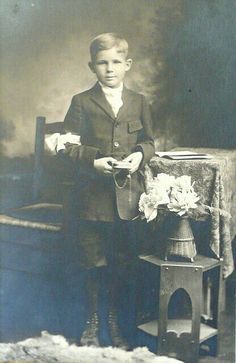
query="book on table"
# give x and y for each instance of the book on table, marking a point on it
(182, 155)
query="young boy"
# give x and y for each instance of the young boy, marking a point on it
(114, 125)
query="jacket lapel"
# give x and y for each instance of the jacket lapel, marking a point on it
(99, 98)
(127, 104)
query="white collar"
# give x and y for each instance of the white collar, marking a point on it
(112, 91)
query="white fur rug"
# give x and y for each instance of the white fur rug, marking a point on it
(55, 349)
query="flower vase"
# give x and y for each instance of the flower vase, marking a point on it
(180, 242)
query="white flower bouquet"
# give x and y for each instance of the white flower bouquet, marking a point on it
(166, 193)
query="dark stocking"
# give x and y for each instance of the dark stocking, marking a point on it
(115, 333)
(90, 334)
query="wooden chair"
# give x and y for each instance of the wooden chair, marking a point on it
(41, 213)
(32, 238)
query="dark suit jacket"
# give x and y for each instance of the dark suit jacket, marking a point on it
(103, 134)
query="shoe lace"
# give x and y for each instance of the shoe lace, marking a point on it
(117, 338)
(92, 323)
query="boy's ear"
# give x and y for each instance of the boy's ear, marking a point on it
(90, 64)
(128, 64)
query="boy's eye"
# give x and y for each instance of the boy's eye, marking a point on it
(115, 61)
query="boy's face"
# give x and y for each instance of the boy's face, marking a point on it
(110, 67)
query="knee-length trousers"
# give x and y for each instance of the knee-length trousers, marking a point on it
(98, 243)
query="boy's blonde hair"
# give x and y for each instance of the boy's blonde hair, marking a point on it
(107, 41)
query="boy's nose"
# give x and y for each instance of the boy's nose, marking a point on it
(109, 67)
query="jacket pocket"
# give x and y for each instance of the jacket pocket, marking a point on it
(134, 126)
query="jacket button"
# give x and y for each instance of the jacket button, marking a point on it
(116, 143)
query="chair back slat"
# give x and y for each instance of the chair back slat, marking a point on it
(42, 129)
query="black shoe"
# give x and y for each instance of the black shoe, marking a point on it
(117, 339)
(90, 335)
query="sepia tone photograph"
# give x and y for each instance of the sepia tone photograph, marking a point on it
(117, 181)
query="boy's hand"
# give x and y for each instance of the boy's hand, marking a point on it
(104, 165)
(134, 159)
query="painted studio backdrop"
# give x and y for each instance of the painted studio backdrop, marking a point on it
(184, 61)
